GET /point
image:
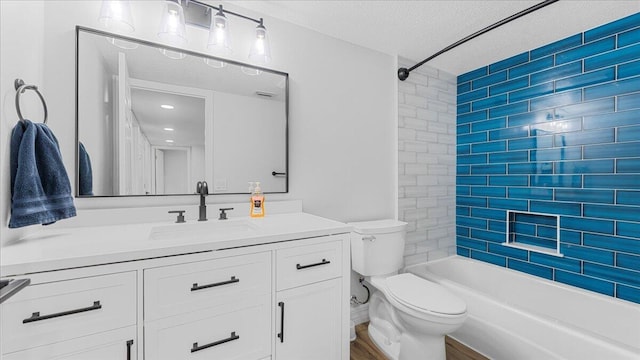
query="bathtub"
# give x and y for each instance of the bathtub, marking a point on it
(513, 315)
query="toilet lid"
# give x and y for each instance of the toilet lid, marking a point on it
(378, 226)
(419, 293)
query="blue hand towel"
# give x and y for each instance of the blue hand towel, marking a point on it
(85, 173)
(40, 188)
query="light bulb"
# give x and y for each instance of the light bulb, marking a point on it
(260, 51)
(172, 27)
(219, 37)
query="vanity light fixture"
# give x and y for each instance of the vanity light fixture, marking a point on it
(219, 36)
(168, 107)
(260, 50)
(172, 28)
(116, 15)
(219, 41)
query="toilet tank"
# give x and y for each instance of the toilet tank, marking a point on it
(377, 247)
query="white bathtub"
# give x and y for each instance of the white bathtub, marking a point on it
(513, 315)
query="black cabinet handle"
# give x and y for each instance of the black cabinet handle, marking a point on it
(232, 337)
(323, 262)
(37, 317)
(230, 281)
(281, 334)
(129, 343)
(275, 173)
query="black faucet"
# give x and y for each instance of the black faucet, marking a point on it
(203, 189)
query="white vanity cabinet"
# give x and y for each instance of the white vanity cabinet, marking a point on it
(110, 345)
(308, 322)
(80, 318)
(309, 306)
(214, 309)
(285, 298)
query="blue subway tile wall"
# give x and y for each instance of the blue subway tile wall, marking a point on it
(556, 130)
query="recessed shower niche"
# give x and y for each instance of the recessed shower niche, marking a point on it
(534, 232)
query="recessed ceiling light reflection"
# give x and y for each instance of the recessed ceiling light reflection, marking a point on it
(169, 141)
(168, 129)
(168, 107)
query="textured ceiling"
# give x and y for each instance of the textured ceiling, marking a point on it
(418, 29)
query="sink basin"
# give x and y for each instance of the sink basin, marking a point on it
(204, 231)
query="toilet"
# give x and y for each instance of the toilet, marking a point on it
(409, 316)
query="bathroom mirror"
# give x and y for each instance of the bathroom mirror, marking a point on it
(155, 120)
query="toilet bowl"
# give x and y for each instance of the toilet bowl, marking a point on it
(423, 313)
(409, 316)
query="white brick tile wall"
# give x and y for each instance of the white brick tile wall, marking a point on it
(427, 162)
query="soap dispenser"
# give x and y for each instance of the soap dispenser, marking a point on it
(257, 201)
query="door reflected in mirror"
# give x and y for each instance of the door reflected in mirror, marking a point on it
(151, 125)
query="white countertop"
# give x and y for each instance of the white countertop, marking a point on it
(62, 248)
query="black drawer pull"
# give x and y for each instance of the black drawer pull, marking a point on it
(37, 317)
(281, 334)
(232, 337)
(323, 262)
(231, 281)
(129, 344)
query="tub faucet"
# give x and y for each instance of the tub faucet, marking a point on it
(203, 189)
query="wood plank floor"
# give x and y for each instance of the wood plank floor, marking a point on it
(364, 349)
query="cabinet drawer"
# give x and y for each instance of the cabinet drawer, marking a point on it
(178, 289)
(308, 264)
(239, 331)
(52, 312)
(111, 345)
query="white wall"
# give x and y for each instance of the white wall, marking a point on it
(427, 163)
(342, 107)
(22, 56)
(342, 127)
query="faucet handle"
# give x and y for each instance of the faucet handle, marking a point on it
(202, 188)
(180, 218)
(223, 214)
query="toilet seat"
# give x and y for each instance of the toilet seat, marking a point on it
(424, 296)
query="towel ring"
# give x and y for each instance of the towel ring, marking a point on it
(21, 87)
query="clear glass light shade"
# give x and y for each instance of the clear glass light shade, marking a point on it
(260, 50)
(218, 64)
(173, 54)
(250, 71)
(172, 28)
(116, 15)
(219, 35)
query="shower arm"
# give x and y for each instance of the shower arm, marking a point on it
(403, 73)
